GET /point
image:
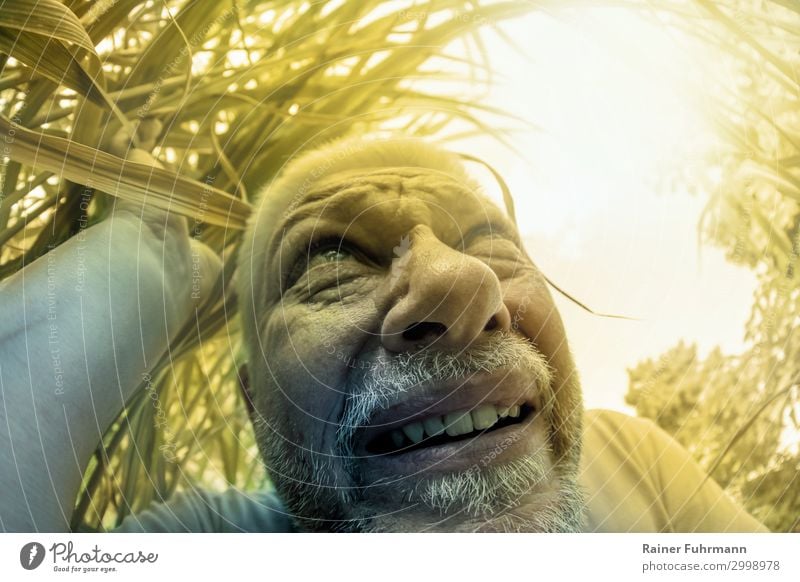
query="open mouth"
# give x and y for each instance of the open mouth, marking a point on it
(443, 429)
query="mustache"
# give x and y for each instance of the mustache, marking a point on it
(388, 380)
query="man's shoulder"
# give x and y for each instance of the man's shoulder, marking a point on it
(617, 431)
(638, 478)
(620, 473)
(634, 446)
(610, 436)
(613, 418)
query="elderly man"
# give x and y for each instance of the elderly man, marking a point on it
(407, 369)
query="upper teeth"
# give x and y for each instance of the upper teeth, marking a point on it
(454, 423)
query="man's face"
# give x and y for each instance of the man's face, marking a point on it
(414, 373)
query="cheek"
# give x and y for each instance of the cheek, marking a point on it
(534, 315)
(310, 352)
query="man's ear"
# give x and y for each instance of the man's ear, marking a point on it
(244, 386)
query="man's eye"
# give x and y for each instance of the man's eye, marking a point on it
(328, 255)
(321, 253)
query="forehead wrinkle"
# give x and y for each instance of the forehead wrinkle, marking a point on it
(331, 197)
(346, 187)
(401, 179)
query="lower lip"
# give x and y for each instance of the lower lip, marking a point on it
(499, 445)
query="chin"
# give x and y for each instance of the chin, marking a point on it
(510, 497)
(552, 507)
(525, 494)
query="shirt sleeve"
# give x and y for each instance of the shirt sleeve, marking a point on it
(638, 478)
(694, 501)
(208, 512)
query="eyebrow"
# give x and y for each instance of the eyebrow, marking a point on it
(504, 228)
(300, 212)
(306, 209)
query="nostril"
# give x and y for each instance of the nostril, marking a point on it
(491, 324)
(423, 329)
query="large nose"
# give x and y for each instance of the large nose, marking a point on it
(448, 298)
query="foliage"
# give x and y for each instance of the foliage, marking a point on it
(738, 414)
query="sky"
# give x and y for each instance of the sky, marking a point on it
(612, 97)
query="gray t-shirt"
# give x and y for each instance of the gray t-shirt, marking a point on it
(233, 511)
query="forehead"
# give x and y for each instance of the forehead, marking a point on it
(394, 200)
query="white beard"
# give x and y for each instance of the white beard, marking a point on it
(530, 493)
(510, 497)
